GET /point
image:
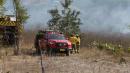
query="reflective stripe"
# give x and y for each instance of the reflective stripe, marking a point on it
(8, 23)
(12, 23)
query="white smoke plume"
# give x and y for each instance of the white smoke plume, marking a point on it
(96, 15)
(105, 15)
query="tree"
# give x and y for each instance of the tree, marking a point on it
(2, 8)
(2, 2)
(21, 12)
(21, 17)
(54, 22)
(68, 21)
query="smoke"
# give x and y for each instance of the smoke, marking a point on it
(96, 15)
(104, 15)
(33, 2)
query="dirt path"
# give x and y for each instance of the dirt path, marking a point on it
(61, 64)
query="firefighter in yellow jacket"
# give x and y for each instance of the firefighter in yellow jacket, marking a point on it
(77, 43)
(73, 40)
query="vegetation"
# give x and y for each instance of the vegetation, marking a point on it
(113, 44)
(68, 21)
(2, 2)
(117, 50)
(54, 22)
(21, 17)
(2, 8)
(21, 12)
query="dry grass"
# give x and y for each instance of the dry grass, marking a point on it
(28, 39)
(90, 60)
(87, 38)
(93, 53)
(20, 64)
(96, 54)
(23, 63)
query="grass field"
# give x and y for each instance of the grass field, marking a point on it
(89, 60)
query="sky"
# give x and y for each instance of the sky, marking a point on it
(96, 15)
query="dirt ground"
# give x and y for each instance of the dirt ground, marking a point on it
(75, 63)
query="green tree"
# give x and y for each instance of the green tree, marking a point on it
(21, 17)
(21, 12)
(2, 8)
(54, 22)
(2, 2)
(68, 21)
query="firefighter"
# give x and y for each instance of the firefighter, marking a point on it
(77, 43)
(73, 41)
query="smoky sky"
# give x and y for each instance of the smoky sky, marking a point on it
(96, 15)
(105, 15)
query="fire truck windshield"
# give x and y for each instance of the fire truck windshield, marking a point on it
(56, 36)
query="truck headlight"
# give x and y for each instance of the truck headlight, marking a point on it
(51, 43)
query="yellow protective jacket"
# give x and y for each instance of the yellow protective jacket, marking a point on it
(78, 41)
(73, 40)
